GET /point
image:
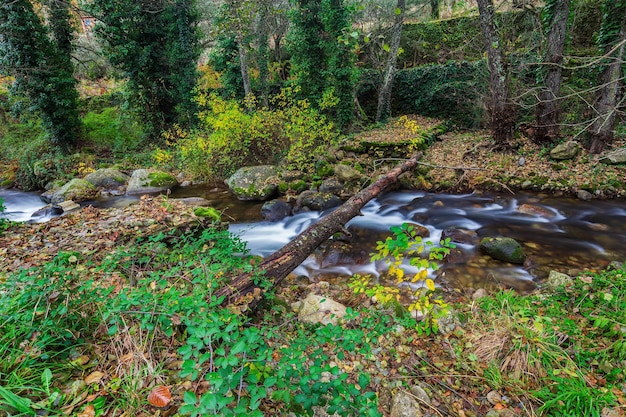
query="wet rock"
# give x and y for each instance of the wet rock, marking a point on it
(504, 249)
(404, 404)
(67, 206)
(77, 190)
(536, 210)
(420, 230)
(457, 256)
(107, 178)
(318, 309)
(584, 195)
(254, 183)
(144, 181)
(345, 173)
(614, 157)
(194, 201)
(565, 151)
(469, 237)
(275, 210)
(341, 253)
(48, 211)
(314, 200)
(331, 185)
(557, 279)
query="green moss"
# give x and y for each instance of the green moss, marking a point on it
(298, 186)
(283, 187)
(160, 179)
(208, 212)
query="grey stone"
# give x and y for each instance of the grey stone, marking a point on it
(331, 185)
(254, 183)
(107, 178)
(145, 181)
(345, 173)
(317, 201)
(557, 279)
(275, 210)
(421, 394)
(404, 404)
(466, 236)
(194, 201)
(318, 309)
(566, 150)
(479, 293)
(504, 249)
(77, 190)
(614, 157)
(584, 195)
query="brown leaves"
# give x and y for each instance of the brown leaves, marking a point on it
(160, 396)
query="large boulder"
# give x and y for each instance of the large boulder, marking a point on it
(107, 178)
(566, 150)
(145, 181)
(77, 190)
(504, 249)
(614, 157)
(254, 183)
(317, 201)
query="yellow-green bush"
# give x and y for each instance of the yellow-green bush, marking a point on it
(231, 136)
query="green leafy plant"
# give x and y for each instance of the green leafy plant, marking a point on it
(394, 251)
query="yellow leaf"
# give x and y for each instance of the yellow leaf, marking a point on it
(430, 284)
(94, 378)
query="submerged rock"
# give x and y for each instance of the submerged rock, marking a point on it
(504, 249)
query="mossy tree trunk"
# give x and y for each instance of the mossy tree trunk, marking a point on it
(548, 111)
(384, 95)
(244, 290)
(502, 113)
(612, 39)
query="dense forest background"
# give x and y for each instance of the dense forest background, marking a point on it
(160, 81)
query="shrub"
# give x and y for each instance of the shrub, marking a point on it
(110, 130)
(231, 137)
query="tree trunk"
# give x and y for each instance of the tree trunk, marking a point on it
(279, 264)
(434, 9)
(384, 95)
(607, 102)
(548, 111)
(501, 112)
(243, 64)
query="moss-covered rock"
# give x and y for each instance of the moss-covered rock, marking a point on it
(107, 178)
(504, 249)
(76, 190)
(254, 183)
(208, 212)
(144, 181)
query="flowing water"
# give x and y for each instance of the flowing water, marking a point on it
(558, 233)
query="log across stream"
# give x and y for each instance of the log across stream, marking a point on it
(559, 233)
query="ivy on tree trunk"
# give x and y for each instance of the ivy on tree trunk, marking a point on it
(502, 113)
(547, 111)
(383, 112)
(611, 40)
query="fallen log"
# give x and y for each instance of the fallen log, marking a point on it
(275, 267)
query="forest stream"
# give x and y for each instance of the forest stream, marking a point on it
(558, 233)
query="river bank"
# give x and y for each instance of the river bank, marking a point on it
(110, 313)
